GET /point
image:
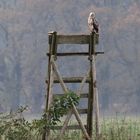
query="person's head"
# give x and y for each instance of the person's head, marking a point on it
(92, 14)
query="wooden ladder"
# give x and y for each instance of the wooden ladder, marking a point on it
(90, 78)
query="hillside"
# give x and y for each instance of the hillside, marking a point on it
(24, 27)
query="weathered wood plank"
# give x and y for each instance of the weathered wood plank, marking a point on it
(96, 53)
(71, 54)
(82, 95)
(74, 39)
(75, 54)
(71, 80)
(70, 127)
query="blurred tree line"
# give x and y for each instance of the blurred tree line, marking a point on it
(24, 27)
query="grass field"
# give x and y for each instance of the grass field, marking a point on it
(114, 128)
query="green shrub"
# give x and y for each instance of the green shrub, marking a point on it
(15, 127)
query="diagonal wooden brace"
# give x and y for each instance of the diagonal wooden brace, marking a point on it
(70, 112)
(66, 90)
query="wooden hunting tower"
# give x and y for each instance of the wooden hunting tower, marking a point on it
(90, 78)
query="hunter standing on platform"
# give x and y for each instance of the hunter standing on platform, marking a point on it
(92, 23)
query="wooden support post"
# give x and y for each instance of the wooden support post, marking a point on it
(54, 45)
(49, 75)
(91, 88)
(52, 40)
(91, 45)
(50, 97)
(50, 35)
(93, 101)
(52, 50)
(93, 93)
(96, 101)
(95, 90)
(90, 106)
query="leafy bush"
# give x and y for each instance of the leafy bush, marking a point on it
(14, 127)
(61, 106)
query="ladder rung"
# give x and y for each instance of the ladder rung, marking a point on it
(82, 95)
(99, 53)
(82, 111)
(68, 127)
(71, 54)
(75, 54)
(71, 80)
